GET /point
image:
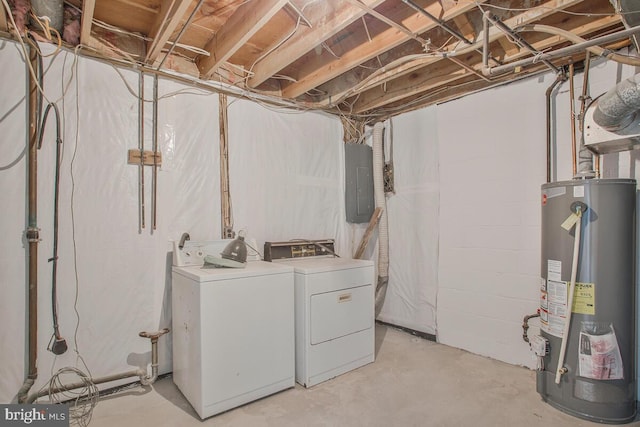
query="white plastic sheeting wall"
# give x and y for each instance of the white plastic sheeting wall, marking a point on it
(287, 175)
(286, 182)
(413, 223)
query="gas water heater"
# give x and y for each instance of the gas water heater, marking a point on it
(591, 374)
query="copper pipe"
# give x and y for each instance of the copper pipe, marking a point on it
(583, 106)
(31, 233)
(585, 90)
(574, 164)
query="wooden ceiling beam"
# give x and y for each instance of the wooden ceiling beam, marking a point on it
(167, 20)
(3, 20)
(407, 87)
(246, 21)
(88, 7)
(306, 39)
(528, 17)
(311, 75)
(417, 82)
(465, 27)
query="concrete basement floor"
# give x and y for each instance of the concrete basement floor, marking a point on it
(413, 382)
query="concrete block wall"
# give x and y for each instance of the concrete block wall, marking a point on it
(492, 164)
(492, 158)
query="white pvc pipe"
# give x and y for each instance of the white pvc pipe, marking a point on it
(383, 228)
(572, 287)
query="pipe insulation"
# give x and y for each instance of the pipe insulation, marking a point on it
(383, 226)
(617, 109)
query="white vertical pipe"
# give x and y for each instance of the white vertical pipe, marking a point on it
(383, 227)
(572, 287)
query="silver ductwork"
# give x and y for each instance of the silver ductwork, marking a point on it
(612, 121)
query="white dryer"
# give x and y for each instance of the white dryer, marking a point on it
(334, 309)
(233, 333)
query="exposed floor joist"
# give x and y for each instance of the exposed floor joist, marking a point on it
(306, 39)
(88, 7)
(355, 57)
(313, 74)
(171, 13)
(247, 20)
(379, 96)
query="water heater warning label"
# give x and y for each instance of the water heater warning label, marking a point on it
(553, 307)
(554, 270)
(584, 299)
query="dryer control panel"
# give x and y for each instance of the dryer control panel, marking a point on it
(299, 248)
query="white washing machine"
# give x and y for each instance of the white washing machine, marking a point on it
(334, 309)
(233, 330)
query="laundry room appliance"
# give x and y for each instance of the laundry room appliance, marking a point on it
(587, 359)
(233, 329)
(334, 309)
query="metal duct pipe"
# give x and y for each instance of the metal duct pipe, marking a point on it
(383, 227)
(617, 109)
(32, 232)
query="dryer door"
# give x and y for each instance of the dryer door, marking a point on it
(339, 313)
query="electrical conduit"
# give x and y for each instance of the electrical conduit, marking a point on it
(383, 226)
(574, 272)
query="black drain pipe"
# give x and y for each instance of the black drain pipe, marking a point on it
(32, 233)
(559, 79)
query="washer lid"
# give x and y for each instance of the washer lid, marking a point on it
(210, 273)
(313, 265)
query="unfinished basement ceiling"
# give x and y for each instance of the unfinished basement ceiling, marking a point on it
(361, 58)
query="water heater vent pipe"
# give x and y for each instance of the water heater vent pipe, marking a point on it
(617, 108)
